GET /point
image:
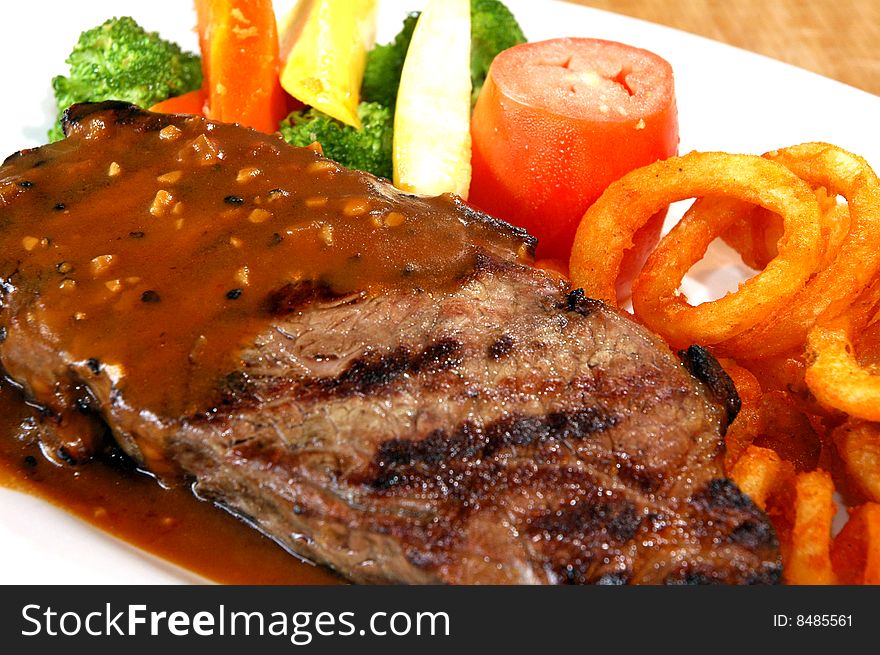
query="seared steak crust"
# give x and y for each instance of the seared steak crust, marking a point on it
(505, 429)
(585, 453)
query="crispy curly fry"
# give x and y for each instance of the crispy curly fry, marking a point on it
(858, 444)
(855, 552)
(757, 473)
(809, 560)
(834, 375)
(749, 421)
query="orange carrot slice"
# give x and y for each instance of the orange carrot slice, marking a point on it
(239, 42)
(188, 103)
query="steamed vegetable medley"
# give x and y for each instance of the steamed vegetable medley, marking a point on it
(119, 60)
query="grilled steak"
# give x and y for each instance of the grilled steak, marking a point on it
(380, 382)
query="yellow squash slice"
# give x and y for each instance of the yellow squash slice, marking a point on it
(432, 140)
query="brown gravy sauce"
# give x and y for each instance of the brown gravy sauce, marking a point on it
(152, 244)
(169, 523)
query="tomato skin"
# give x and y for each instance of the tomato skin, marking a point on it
(543, 153)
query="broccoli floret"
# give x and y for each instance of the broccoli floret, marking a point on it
(384, 64)
(368, 149)
(493, 29)
(119, 60)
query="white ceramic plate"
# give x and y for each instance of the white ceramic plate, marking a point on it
(728, 99)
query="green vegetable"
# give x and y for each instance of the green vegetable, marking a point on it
(384, 63)
(119, 60)
(368, 149)
(493, 29)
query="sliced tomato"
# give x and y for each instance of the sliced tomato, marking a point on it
(556, 122)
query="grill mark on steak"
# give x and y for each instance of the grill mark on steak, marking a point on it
(723, 498)
(617, 520)
(365, 375)
(406, 461)
(722, 494)
(372, 372)
(368, 373)
(439, 356)
(501, 347)
(491, 425)
(598, 524)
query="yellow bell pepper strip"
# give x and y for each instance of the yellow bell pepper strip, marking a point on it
(432, 141)
(324, 46)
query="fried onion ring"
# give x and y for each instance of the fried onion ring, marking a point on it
(656, 298)
(756, 232)
(606, 231)
(857, 262)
